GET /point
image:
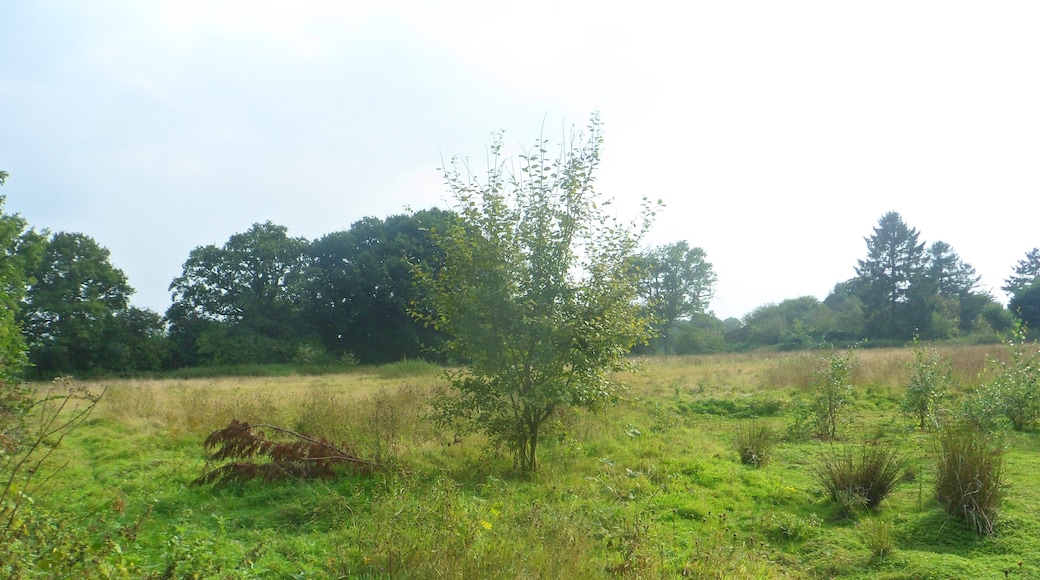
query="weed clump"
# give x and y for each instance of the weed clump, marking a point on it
(754, 442)
(860, 477)
(877, 535)
(969, 482)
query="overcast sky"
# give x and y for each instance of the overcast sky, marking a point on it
(777, 133)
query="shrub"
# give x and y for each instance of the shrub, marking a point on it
(929, 377)
(32, 538)
(861, 477)
(754, 441)
(830, 407)
(1013, 396)
(969, 483)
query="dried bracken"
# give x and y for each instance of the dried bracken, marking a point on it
(244, 453)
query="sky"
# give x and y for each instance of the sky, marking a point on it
(776, 133)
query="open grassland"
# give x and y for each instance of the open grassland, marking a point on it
(653, 487)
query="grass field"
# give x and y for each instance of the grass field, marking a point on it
(653, 487)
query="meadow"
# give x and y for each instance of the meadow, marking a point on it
(653, 487)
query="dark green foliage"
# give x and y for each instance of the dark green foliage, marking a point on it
(361, 288)
(861, 476)
(969, 481)
(76, 314)
(243, 453)
(702, 333)
(240, 303)
(1025, 305)
(754, 442)
(794, 324)
(17, 244)
(958, 302)
(1026, 272)
(845, 320)
(892, 281)
(997, 317)
(264, 297)
(139, 341)
(71, 316)
(906, 290)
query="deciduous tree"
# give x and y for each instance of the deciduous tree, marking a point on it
(361, 288)
(247, 291)
(71, 305)
(537, 292)
(678, 282)
(19, 248)
(15, 398)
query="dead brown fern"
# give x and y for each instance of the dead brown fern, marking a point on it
(244, 453)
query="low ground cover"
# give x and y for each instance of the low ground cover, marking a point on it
(654, 487)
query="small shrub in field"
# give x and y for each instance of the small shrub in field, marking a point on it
(878, 537)
(861, 477)
(754, 442)
(33, 539)
(830, 407)
(929, 377)
(1013, 396)
(969, 482)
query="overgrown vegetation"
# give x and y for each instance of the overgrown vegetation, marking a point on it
(33, 537)
(930, 377)
(1010, 397)
(827, 410)
(754, 442)
(537, 293)
(860, 477)
(969, 484)
(649, 488)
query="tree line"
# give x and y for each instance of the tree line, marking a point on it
(351, 296)
(904, 288)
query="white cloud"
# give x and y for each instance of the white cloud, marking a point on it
(777, 133)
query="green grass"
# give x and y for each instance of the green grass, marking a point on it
(651, 488)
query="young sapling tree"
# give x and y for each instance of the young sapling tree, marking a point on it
(537, 291)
